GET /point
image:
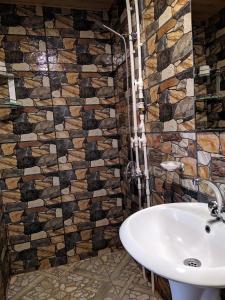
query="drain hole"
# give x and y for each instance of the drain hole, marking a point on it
(192, 262)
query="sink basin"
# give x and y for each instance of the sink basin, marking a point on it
(162, 237)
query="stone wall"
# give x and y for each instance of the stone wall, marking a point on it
(169, 98)
(209, 50)
(168, 86)
(4, 262)
(59, 164)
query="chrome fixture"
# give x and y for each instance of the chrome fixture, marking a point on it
(171, 166)
(216, 207)
(204, 71)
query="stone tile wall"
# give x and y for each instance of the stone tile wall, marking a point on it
(209, 50)
(59, 163)
(4, 260)
(169, 98)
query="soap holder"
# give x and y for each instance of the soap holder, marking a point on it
(171, 166)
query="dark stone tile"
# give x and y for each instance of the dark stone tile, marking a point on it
(80, 20)
(13, 57)
(68, 209)
(89, 121)
(22, 92)
(106, 92)
(96, 212)
(41, 93)
(29, 217)
(33, 228)
(50, 192)
(109, 123)
(41, 243)
(84, 59)
(57, 261)
(8, 138)
(48, 160)
(81, 48)
(165, 112)
(164, 58)
(18, 239)
(10, 20)
(98, 240)
(60, 112)
(31, 264)
(115, 212)
(86, 225)
(103, 59)
(91, 151)
(34, 22)
(110, 153)
(29, 195)
(63, 145)
(113, 183)
(54, 42)
(15, 207)
(28, 254)
(57, 79)
(159, 8)
(87, 92)
(94, 182)
(71, 239)
(7, 9)
(66, 177)
(61, 253)
(22, 128)
(53, 224)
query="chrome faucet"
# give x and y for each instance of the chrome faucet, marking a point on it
(216, 207)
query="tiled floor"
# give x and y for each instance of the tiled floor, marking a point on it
(114, 276)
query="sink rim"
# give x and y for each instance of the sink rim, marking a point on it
(197, 276)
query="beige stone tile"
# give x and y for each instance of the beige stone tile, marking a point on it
(114, 276)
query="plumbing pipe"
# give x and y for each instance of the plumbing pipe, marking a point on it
(139, 83)
(121, 36)
(135, 139)
(143, 140)
(143, 145)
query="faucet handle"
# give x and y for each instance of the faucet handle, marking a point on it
(213, 207)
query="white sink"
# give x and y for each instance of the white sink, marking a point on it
(161, 237)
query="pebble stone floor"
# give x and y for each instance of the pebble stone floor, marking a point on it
(115, 276)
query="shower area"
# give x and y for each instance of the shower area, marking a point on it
(86, 117)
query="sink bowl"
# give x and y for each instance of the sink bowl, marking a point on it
(172, 241)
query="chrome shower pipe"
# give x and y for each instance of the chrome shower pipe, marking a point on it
(122, 37)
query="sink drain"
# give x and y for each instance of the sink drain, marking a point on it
(192, 262)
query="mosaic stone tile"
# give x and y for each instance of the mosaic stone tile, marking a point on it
(28, 20)
(64, 133)
(87, 279)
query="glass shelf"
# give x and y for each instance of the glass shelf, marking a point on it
(7, 75)
(9, 104)
(208, 97)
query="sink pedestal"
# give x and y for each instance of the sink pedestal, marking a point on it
(187, 291)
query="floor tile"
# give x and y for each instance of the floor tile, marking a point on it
(115, 276)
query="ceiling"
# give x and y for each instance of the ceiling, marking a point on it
(203, 9)
(94, 5)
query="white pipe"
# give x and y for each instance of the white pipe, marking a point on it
(135, 139)
(139, 44)
(143, 141)
(143, 145)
